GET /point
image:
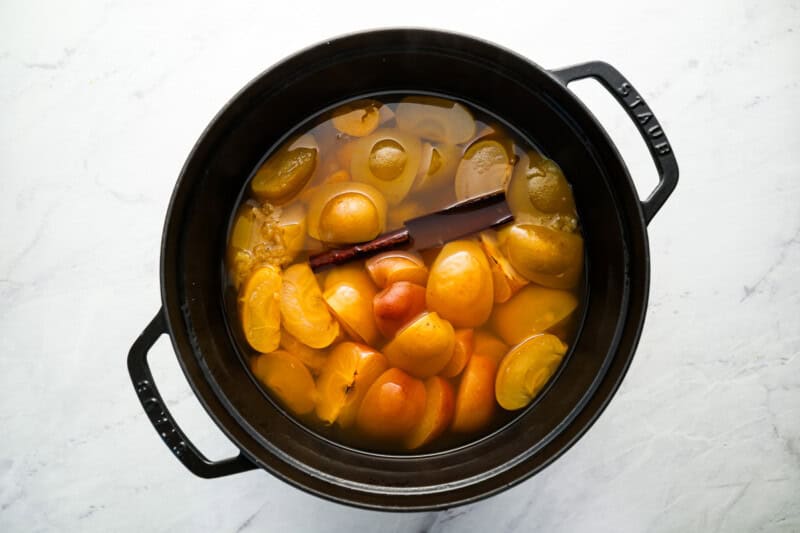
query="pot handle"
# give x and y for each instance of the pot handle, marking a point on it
(160, 416)
(644, 120)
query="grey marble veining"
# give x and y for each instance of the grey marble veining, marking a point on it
(100, 102)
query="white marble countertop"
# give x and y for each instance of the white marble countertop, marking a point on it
(100, 103)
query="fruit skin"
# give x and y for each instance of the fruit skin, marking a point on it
(526, 369)
(353, 274)
(396, 305)
(303, 311)
(288, 379)
(259, 309)
(461, 353)
(392, 407)
(344, 380)
(423, 347)
(439, 410)
(545, 256)
(460, 286)
(532, 310)
(389, 267)
(475, 400)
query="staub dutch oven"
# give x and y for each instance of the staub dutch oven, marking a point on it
(534, 102)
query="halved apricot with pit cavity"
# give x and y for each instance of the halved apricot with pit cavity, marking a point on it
(303, 310)
(344, 380)
(526, 369)
(388, 160)
(259, 309)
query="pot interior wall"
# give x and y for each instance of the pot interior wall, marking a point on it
(264, 113)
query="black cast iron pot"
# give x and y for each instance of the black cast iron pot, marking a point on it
(533, 101)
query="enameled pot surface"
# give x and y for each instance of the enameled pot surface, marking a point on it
(534, 102)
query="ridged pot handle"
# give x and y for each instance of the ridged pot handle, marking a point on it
(644, 120)
(160, 416)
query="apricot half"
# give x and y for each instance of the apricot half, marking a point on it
(264, 234)
(259, 309)
(313, 358)
(461, 353)
(390, 267)
(357, 118)
(344, 380)
(533, 310)
(303, 310)
(388, 160)
(393, 406)
(506, 281)
(353, 274)
(538, 193)
(423, 347)
(475, 403)
(436, 119)
(526, 369)
(545, 256)
(439, 408)
(346, 212)
(484, 168)
(485, 343)
(437, 167)
(352, 305)
(286, 172)
(396, 305)
(460, 285)
(288, 379)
